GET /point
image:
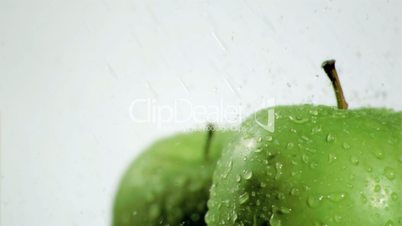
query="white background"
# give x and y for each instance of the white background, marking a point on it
(69, 71)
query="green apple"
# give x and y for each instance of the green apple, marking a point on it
(168, 183)
(320, 166)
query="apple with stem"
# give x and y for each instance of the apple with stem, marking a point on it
(321, 166)
(168, 183)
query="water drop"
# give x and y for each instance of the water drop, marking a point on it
(306, 139)
(284, 210)
(377, 188)
(234, 217)
(243, 198)
(298, 120)
(312, 150)
(389, 223)
(313, 112)
(337, 218)
(238, 178)
(346, 146)
(274, 220)
(331, 157)
(379, 154)
(336, 197)
(281, 196)
(314, 201)
(330, 137)
(354, 160)
(268, 138)
(363, 198)
(315, 130)
(389, 173)
(305, 158)
(294, 191)
(227, 169)
(278, 167)
(290, 146)
(247, 174)
(313, 165)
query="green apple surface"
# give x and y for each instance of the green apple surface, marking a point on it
(321, 166)
(168, 183)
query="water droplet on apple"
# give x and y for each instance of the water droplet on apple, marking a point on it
(290, 146)
(312, 150)
(330, 138)
(305, 158)
(247, 174)
(281, 196)
(379, 154)
(331, 157)
(298, 120)
(337, 197)
(363, 198)
(389, 173)
(313, 165)
(227, 169)
(234, 217)
(313, 112)
(294, 191)
(337, 218)
(354, 160)
(274, 220)
(238, 178)
(315, 130)
(314, 201)
(284, 210)
(346, 146)
(305, 139)
(243, 198)
(377, 188)
(389, 223)
(278, 167)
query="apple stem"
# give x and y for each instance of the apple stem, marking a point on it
(210, 133)
(330, 70)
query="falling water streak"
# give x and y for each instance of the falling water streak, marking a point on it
(231, 87)
(156, 20)
(218, 40)
(184, 85)
(136, 39)
(154, 94)
(112, 71)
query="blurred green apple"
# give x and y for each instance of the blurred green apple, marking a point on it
(168, 183)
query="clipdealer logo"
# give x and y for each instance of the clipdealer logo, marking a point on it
(180, 111)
